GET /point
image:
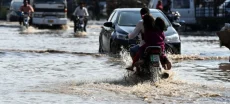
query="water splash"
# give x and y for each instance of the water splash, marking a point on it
(65, 27)
(28, 30)
(80, 34)
(125, 57)
(166, 90)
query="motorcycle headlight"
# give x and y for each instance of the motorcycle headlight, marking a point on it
(121, 36)
(173, 38)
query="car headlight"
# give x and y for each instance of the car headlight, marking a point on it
(121, 36)
(172, 38)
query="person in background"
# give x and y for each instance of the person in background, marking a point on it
(96, 10)
(81, 11)
(167, 7)
(159, 5)
(26, 8)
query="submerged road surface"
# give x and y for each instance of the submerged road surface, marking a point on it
(52, 66)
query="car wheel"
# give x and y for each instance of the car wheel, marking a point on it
(169, 49)
(100, 45)
(113, 47)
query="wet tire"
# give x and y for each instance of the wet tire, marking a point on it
(100, 45)
(155, 73)
(169, 49)
(113, 47)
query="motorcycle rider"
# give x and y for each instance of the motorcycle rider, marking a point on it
(159, 5)
(26, 8)
(139, 31)
(81, 11)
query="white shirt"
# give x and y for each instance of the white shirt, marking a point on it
(81, 12)
(137, 32)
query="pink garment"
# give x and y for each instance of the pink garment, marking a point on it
(159, 6)
(152, 38)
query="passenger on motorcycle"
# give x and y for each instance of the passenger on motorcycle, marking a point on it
(152, 35)
(81, 11)
(26, 8)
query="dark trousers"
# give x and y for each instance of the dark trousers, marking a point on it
(21, 20)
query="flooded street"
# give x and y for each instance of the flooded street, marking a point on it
(53, 66)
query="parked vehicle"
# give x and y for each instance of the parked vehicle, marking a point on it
(14, 12)
(225, 8)
(196, 14)
(49, 12)
(123, 21)
(113, 4)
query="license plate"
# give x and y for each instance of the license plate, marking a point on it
(50, 21)
(154, 58)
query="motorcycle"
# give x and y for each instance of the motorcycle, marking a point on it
(79, 25)
(150, 67)
(174, 18)
(26, 19)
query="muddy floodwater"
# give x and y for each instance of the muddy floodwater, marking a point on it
(54, 66)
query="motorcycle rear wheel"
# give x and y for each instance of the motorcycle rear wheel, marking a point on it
(155, 73)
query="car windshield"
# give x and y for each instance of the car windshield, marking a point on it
(17, 5)
(49, 1)
(131, 18)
